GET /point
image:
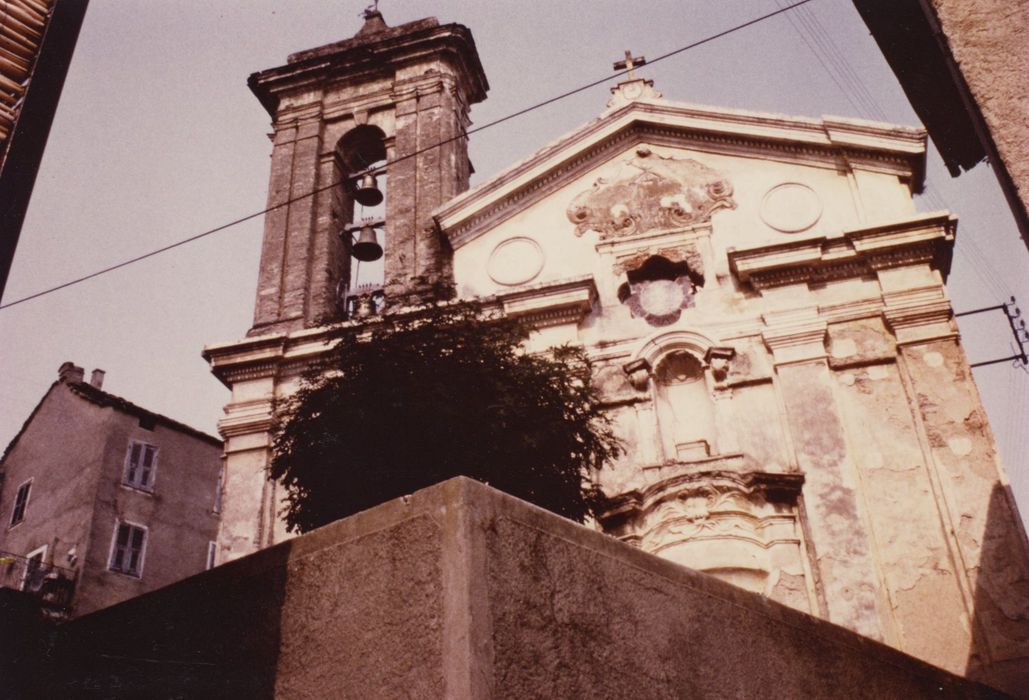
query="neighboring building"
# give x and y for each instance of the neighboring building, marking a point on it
(963, 66)
(37, 39)
(102, 500)
(764, 304)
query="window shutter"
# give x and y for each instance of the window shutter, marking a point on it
(134, 451)
(127, 556)
(148, 463)
(141, 465)
(121, 544)
(21, 499)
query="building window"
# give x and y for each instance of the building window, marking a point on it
(34, 570)
(127, 549)
(218, 492)
(212, 549)
(140, 465)
(21, 499)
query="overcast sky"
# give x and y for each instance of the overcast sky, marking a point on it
(157, 138)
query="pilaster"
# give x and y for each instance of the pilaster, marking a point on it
(842, 547)
(977, 510)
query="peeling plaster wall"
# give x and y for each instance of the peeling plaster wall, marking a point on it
(977, 505)
(842, 548)
(757, 423)
(921, 589)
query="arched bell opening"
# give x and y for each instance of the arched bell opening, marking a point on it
(361, 158)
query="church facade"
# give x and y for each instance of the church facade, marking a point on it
(765, 308)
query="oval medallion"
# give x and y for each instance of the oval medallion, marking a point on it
(791, 207)
(515, 261)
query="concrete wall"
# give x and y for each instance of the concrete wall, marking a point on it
(461, 592)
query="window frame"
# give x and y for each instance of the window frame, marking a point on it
(118, 523)
(27, 485)
(41, 551)
(212, 553)
(128, 470)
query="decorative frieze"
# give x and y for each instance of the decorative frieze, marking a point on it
(654, 193)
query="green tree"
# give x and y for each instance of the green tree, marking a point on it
(410, 400)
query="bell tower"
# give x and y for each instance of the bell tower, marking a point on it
(369, 137)
(389, 105)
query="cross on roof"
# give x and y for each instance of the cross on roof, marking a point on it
(629, 63)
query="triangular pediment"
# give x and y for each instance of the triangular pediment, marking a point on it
(872, 146)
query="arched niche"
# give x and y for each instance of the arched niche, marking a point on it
(685, 410)
(652, 349)
(673, 366)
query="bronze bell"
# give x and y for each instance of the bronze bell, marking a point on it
(367, 247)
(367, 191)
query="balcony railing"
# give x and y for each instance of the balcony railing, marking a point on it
(53, 585)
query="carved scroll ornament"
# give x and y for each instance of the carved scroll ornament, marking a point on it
(657, 192)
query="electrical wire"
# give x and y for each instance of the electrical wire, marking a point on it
(465, 134)
(806, 24)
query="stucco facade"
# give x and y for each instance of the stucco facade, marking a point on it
(74, 454)
(767, 315)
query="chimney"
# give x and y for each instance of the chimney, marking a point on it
(97, 379)
(69, 373)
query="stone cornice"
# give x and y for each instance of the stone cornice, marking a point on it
(235, 426)
(551, 303)
(926, 238)
(773, 487)
(355, 58)
(920, 321)
(265, 356)
(281, 355)
(898, 149)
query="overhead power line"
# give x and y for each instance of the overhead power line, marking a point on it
(839, 69)
(495, 122)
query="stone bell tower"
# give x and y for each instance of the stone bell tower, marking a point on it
(389, 102)
(391, 99)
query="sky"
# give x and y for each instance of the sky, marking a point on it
(157, 138)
